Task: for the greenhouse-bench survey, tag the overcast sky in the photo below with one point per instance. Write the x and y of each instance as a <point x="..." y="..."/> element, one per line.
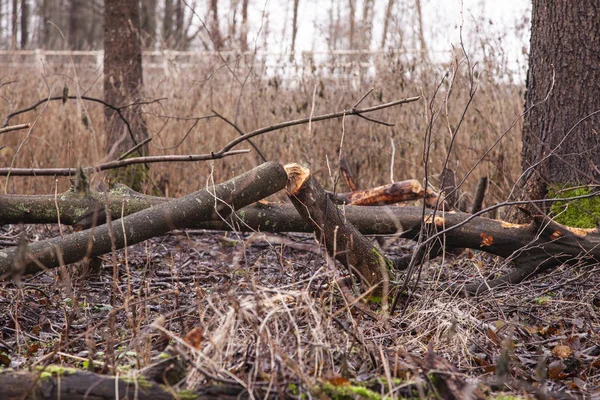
<point x="504" y="24"/>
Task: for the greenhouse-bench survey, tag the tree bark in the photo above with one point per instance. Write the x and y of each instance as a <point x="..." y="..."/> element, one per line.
<point x="561" y="143"/>
<point x="72" y="384"/>
<point x="204" y="205"/>
<point x="123" y="82"/>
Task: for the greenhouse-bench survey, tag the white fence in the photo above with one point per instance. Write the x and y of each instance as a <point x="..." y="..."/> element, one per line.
<point x="361" y="61"/>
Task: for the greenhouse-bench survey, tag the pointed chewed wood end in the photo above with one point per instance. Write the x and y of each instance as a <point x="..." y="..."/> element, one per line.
<point x="297" y="175"/>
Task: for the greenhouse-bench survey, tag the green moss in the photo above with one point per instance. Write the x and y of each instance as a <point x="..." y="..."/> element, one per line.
<point x="138" y="379"/>
<point x="543" y="300"/>
<point x="348" y="392"/>
<point x="582" y="213"/>
<point x="164" y="356"/>
<point x="187" y="395"/>
<point x="55" y="370"/>
<point x="293" y="389"/>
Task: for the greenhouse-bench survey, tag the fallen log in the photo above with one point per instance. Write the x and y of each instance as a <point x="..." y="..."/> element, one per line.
<point x="207" y="204"/>
<point x="342" y="240"/>
<point x="62" y="383"/>
<point x="534" y="247"/>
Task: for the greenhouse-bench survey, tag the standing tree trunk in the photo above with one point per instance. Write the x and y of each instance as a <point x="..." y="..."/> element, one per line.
<point x="294" y="29"/>
<point x="561" y="139"/>
<point x="215" y="31"/>
<point x="123" y="80"/>
<point x="422" y="43"/>
<point x="386" y="22"/>
<point x="24" y="23"/>
<point x="244" y="30"/>
<point x="14" y="24"/>
<point x="168" y="24"/>
<point x="76" y="25"/>
<point x="352" y="22"/>
<point x="179" y="30"/>
<point x="148" y="24"/>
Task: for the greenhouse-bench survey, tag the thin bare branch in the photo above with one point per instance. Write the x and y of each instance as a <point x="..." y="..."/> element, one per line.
<point x="323" y="117"/>
<point x="15" y="128"/>
<point x="118" y="164"/>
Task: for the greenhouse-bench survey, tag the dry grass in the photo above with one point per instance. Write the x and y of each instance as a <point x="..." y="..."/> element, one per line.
<point x="253" y="99"/>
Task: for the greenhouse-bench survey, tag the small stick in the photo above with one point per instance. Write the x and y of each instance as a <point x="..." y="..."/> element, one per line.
<point x="134" y="148"/>
<point x="15" y="128"/>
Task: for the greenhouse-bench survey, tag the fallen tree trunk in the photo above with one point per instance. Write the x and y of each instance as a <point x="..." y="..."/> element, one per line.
<point x="207" y="204"/>
<point x="72" y="384"/>
<point x="342" y="240"/>
<point x="75" y="384"/>
<point x="73" y="208"/>
<point x="534" y="247"/>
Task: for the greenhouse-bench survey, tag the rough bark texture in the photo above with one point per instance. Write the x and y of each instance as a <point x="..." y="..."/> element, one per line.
<point x="71" y="384"/>
<point x="342" y="240"/>
<point x="123" y="81"/>
<point x="204" y="205"/>
<point x="564" y="69"/>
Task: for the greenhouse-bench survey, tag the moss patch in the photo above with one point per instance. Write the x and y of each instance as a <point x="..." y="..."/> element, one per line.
<point x="348" y="392"/>
<point x="582" y="213"/>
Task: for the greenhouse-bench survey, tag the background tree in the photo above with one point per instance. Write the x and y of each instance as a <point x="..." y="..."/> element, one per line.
<point x="561" y="143"/>
<point x="123" y="79"/>
<point x="24" y="23"/>
<point x="148" y="23"/>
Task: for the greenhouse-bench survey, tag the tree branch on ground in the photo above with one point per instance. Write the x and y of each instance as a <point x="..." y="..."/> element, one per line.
<point x="207" y="204"/>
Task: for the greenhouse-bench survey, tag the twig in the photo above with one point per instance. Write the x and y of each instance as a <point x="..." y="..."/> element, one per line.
<point x="15" y="128"/>
<point x="118" y="164"/>
<point x="362" y="98"/>
<point x="323" y="117"/>
<point x="87" y="98"/>
<point x="134" y="148"/>
<point x="242" y="133"/>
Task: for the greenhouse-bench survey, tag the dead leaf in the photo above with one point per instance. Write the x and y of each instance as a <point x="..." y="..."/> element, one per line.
<point x="555" y="370"/>
<point x="338" y="381"/>
<point x="195" y="337"/>
<point x="562" y="351"/>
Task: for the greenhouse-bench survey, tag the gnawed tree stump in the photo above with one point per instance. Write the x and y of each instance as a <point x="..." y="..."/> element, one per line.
<point x="207" y="204"/>
<point x="342" y="240"/>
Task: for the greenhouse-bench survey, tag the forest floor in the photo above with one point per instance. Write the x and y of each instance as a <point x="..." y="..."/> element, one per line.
<point x="264" y="312"/>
